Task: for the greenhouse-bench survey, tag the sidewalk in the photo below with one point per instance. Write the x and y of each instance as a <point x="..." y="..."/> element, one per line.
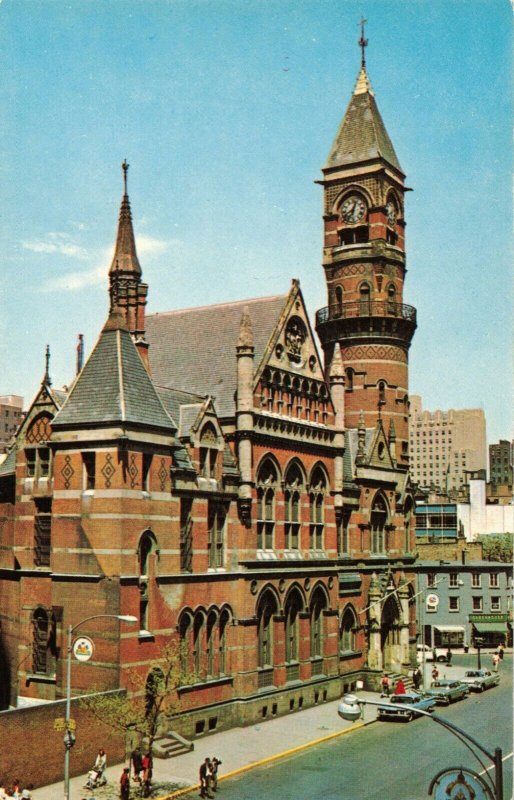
<point x="238" y="749"/>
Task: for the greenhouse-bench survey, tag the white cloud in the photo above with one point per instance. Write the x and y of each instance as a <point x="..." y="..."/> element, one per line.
<point x="75" y="281"/>
<point x="147" y="246"/>
<point x="56" y="243"/>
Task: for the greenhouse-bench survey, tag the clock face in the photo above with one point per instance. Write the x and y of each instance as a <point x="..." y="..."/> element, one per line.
<point x="353" y="209"/>
<point x="391" y="213"/>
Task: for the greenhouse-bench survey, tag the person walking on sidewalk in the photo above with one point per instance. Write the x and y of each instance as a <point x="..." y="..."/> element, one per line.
<point x="205" y="778"/>
<point x="449" y="657"/>
<point x="214" y="773"/>
<point x="416" y="678"/>
<point x="386" y="686"/>
<point x="125" y="784"/>
<point x="496" y="661"/>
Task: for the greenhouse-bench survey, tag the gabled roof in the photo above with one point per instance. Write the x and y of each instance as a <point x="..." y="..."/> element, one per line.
<point x="114" y="386"/>
<point x="184" y="407"/>
<point x="362" y="135"/>
<point x="194" y="349"/>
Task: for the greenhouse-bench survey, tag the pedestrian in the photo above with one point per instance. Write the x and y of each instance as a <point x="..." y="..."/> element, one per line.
<point x="136" y="758"/>
<point x="496" y="661"/>
<point x="501" y="651"/>
<point x="386" y="685"/>
<point x="416" y="678"/>
<point x="125" y="784"/>
<point x="147" y="773"/>
<point x="205" y="777"/>
<point x="215" y="762"/>
<point x="16" y="789"/>
<point x="435" y="673"/>
<point x="400" y="687"/>
<point x="26" y="793"/>
<point x="3" y="791"/>
<point x="449" y="657"/>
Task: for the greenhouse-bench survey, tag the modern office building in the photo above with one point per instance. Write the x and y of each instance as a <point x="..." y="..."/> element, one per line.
<point x="445" y="446"/>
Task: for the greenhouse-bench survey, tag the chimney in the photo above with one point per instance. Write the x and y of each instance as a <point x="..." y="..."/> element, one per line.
<point x="463" y="555"/>
<point x="80" y="352"/>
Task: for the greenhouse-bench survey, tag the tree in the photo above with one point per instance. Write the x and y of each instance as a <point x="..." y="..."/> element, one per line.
<point x="497" y="547"/>
<point x="140" y="711"/>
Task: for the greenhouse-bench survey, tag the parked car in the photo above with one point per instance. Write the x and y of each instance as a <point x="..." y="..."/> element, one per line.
<point x="480" y="679"/>
<point x="430" y="652"/>
<point x="394" y="709"/>
<point x="446" y="691"/>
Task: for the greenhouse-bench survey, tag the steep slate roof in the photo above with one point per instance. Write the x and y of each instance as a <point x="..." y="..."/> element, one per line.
<point x="195" y="349"/>
<point x="183" y="407"/>
<point x="362" y="135"/>
<point x="8" y="465"/>
<point x="114" y="386"/>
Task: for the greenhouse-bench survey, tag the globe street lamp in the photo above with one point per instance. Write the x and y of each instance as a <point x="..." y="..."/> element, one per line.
<point x="69" y="738"/>
<point x="350" y="709"/>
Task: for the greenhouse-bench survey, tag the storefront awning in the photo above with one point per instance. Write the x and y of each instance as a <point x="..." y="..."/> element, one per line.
<point x="449" y="628"/>
<point x="490" y="627"/>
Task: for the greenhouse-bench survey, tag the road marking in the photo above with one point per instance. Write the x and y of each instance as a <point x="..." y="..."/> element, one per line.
<point x="509" y="755"/>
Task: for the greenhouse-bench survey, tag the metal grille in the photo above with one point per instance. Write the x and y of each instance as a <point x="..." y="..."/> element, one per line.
<point x="265" y="678"/>
<point x="43" y="528"/>
<point x="293" y="672"/>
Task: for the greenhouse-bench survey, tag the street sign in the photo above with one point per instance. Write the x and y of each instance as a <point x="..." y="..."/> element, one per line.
<point x="83" y="648"/>
<point x="60" y="724"/>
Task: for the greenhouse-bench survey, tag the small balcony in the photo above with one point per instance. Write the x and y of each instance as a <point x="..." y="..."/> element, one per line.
<point x="360" y="319"/>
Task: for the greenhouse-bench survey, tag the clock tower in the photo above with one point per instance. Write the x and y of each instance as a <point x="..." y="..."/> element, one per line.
<point x="365" y="266"/>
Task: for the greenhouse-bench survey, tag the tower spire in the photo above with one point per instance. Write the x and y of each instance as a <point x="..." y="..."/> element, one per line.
<point x="46" y="377"/>
<point x="125" y="167"/>
<point x="363" y="43"/>
<point x="125" y="258"/>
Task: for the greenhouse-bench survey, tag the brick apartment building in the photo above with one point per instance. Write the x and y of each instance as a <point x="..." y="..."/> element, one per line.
<point x="11" y="413"/>
<point x="209" y="473"/>
<point x="446" y="446"/>
<point x="501" y="460"/>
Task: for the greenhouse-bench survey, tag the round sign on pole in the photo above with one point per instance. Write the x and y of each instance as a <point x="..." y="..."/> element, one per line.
<point x="458" y="783"/>
<point x="83" y="648"/>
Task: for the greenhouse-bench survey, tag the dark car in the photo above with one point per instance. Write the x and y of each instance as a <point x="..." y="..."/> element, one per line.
<point x="447" y="691"/>
<point x="395" y="709"/>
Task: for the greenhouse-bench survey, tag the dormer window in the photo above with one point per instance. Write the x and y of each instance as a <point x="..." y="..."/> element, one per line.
<point x="208" y="452"/>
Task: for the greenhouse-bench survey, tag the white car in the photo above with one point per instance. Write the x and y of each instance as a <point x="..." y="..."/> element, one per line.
<point x="438" y="652"/>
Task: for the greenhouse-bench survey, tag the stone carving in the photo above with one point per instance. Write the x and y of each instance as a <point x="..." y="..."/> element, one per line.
<point x="67" y="472"/>
<point x="295" y="337"/>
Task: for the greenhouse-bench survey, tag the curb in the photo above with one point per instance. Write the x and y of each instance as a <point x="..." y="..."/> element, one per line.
<point x="268" y="760"/>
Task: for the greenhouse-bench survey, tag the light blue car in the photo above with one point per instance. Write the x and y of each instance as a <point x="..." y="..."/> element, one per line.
<point x="394" y="709"/>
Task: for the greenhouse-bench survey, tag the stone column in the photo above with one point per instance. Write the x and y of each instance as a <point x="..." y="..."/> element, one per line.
<point x="375" y="660"/>
<point x="403" y="596"/>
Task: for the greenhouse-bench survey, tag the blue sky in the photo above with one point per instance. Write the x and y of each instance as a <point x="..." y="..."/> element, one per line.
<point x="226" y="110"/>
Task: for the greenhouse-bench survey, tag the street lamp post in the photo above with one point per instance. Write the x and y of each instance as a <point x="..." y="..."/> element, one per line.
<point x="350" y="709"/>
<point x="478" y="644"/>
<point x="68" y="736"/>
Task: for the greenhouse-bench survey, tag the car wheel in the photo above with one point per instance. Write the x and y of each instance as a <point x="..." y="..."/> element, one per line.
<point x="409" y="717"/>
<point x="481" y="688"/>
<point x="441" y="659"/>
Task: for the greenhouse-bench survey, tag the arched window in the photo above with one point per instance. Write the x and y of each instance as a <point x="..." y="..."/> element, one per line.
<point x="38" y="455"/>
<point x="40" y="636"/>
<point x="365" y="299"/>
<point x="265" y="612"/>
<point x="147" y="546"/>
<point x="347" y="633"/>
<point x="292" y="610"/>
<point x="198" y="634"/>
<point x="318" y="604"/>
<point x="267" y="483"/>
<point x="378" y="523"/>
<point x="338" y="310"/>
<point x="222" y="641"/>
<point x="293" y="492"/>
<point x="318" y="490"/>
<point x="186" y="649"/>
<point x="391" y="298"/>
<point x="381" y="393"/>
<point x="208" y="451"/>
<point x="212" y="620"/>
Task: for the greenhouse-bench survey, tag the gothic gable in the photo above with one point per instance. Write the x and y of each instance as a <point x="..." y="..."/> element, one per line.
<point x="379" y="453"/>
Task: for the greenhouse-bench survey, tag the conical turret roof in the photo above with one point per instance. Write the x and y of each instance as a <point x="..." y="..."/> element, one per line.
<point x="125" y="256"/>
<point x="114" y="387"/>
<point x="362" y="135"/>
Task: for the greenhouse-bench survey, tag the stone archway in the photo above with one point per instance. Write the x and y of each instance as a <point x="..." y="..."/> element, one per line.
<point x="390" y="628"/>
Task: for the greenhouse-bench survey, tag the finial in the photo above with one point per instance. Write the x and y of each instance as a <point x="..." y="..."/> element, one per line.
<point x="125" y="167"/>
<point x="363" y="43"/>
<point x="46" y="379"/>
<point x="245" y="329"/>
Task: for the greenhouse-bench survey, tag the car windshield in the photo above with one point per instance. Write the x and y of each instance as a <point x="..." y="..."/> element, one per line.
<point x="403" y="698"/>
<point x="472" y="674"/>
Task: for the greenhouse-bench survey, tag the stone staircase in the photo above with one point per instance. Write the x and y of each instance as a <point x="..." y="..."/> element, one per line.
<point x="407" y="681"/>
<point x="171" y="745"/>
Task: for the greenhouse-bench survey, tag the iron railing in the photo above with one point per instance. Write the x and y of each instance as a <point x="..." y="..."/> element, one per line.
<point x="366" y="308"/>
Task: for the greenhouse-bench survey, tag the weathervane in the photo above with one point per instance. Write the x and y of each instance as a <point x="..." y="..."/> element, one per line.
<point x="363" y="43"/>
<point x="125" y="167"/>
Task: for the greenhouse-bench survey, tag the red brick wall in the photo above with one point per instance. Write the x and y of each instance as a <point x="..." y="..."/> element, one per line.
<point x="21" y="728"/>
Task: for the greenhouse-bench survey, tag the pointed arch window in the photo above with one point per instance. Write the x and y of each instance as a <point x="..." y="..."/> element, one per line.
<point x="147" y="546"/>
<point x="210" y="649"/>
<point x="267" y="609"/>
<point x="347" y="634"/>
<point x="318" y="605"/>
<point x="292" y="611"/>
<point x="338" y="309"/>
<point x="292" y="496"/>
<point x="349" y="372"/>
<point x="198" y="635"/>
<point x="38" y="457"/>
<point x="391" y="299"/>
<point x="318" y="490"/>
<point x="208" y="451"/>
<point x="267" y="484"/>
<point x="222" y="642"/>
<point x="381" y="393"/>
<point x="186" y="643"/>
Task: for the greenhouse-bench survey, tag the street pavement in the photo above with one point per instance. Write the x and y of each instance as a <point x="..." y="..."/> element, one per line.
<point x="241" y="749"/>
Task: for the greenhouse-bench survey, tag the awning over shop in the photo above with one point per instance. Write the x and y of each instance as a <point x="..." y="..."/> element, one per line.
<point x="490" y="627"/>
<point x="449" y="628"/>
